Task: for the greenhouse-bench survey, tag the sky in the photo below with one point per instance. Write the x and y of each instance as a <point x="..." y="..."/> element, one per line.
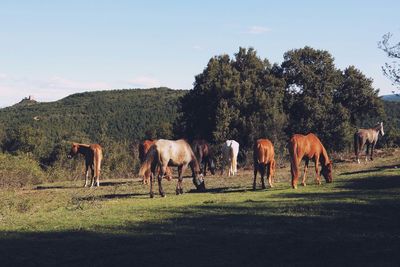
<point x="51" y="49"/>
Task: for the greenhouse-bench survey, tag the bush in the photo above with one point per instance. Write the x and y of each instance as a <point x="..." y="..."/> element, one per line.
<point x="19" y="171"/>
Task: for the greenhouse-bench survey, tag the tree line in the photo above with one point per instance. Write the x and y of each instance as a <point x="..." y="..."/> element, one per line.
<point x="243" y="97"/>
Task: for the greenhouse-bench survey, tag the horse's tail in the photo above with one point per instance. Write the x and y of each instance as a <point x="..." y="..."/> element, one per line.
<point x="151" y="156"/>
<point x="98" y="156"/>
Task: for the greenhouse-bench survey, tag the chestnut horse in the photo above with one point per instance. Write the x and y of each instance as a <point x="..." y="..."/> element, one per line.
<point x="93" y="156"/>
<point x="171" y="153"/>
<point x="308" y="147"/>
<point x="204" y="156"/>
<point x="230" y="151"/>
<point x="143" y="149"/>
<point x="264" y="161"/>
<point x="367" y="137"/>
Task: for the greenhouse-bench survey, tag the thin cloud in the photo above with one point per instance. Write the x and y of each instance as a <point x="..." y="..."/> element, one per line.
<point x="256" y="30"/>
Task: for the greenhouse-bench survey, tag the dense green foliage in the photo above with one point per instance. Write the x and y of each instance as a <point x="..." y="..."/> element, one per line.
<point x="115" y="119"/>
<point x="245" y="98"/>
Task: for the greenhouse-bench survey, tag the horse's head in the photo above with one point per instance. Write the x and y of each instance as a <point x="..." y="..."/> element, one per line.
<point x="198" y="181"/>
<point x="327" y="172"/>
<point x="381" y="128"/>
<point x="212" y="166"/>
<point x="73" y="151"/>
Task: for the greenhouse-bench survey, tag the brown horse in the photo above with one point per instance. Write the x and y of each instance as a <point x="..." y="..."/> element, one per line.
<point x="367" y="137"/>
<point x="93" y="156"/>
<point x="172" y="153"/>
<point x="264" y="161"/>
<point x="308" y="147"/>
<point x="143" y="149"/>
<point x="204" y="156"/>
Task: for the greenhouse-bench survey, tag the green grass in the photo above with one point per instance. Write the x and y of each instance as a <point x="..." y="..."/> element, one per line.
<point x="353" y="221"/>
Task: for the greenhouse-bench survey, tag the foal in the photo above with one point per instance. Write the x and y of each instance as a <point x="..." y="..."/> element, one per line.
<point x="93" y="156"/>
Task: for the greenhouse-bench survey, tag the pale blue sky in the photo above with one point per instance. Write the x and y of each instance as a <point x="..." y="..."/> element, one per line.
<point x="50" y="49"/>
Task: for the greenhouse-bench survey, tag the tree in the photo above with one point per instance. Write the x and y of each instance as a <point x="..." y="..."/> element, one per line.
<point x="311" y="79"/>
<point x="238" y="98"/>
<point x="358" y="96"/>
<point x="391" y="70"/>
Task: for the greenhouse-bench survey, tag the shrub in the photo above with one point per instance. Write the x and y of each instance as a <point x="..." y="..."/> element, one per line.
<point x="19" y="171"/>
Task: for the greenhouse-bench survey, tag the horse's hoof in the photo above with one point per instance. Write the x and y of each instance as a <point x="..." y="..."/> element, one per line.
<point x="181" y="191"/>
<point x="263" y="187"/>
<point x="303" y="184"/>
<point x="151" y="195"/>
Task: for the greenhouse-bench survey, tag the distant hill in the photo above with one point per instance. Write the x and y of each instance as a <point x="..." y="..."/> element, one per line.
<point x="393" y="98"/>
<point x="118" y="114"/>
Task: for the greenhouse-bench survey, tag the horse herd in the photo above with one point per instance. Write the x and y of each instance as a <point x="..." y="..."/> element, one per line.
<point x="157" y="156"/>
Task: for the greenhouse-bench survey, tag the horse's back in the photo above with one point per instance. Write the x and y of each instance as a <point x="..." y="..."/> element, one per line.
<point x="264" y="151"/>
<point x="178" y="151"/>
<point x="305" y="144"/>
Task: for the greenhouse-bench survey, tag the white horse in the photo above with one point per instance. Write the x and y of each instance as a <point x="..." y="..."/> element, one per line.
<point x="230" y="151"/>
<point x="171" y="153"/>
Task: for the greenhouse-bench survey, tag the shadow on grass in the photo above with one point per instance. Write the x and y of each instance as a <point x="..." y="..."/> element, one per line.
<point x="376" y="169"/>
<point x="110" y="196"/>
<point x="39" y="187"/>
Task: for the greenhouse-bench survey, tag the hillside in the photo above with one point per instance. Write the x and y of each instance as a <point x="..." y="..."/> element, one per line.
<point x="117" y="114"/>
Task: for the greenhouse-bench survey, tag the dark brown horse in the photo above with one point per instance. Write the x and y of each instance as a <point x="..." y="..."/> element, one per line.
<point x="264" y="161"/>
<point x="172" y="153"/>
<point x="204" y="156"/>
<point x="367" y="137"/>
<point x="143" y="149"/>
<point x="93" y="156"/>
<point x="308" y="147"/>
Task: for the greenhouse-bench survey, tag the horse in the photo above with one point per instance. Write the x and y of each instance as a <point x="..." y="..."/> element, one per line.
<point x="172" y="153"/>
<point x="263" y="155"/>
<point x="93" y="155"/>
<point x="367" y="137"/>
<point x="204" y="156"/>
<point x="230" y="151"/>
<point x="308" y="147"/>
<point x="143" y="149"/>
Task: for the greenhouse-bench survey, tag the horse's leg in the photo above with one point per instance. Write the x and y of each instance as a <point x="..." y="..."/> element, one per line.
<point x="86" y="175"/>
<point x="372" y="151"/>
<point x="159" y="178"/>
<point x="295" y="173"/>
<point x="151" y="184"/>
<point x="366" y="154"/>
<point x="179" y="189"/>
<point x="92" y="179"/>
<point x="303" y="183"/>
<point x="263" y="168"/>
<point x="317" y="170"/>
<point x="255" y="175"/>
<point x="271" y="171"/>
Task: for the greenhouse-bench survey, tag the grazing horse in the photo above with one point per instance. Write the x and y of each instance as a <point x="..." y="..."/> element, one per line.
<point x="204" y="156"/>
<point x="264" y="161"/>
<point x="172" y="153"/>
<point x="308" y="147"/>
<point x="93" y="156"/>
<point x="143" y="149"/>
<point x="367" y="137"/>
<point x="230" y="151"/>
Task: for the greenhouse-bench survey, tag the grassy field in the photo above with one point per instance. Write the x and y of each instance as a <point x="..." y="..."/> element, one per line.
<point x="353" y="221"/>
